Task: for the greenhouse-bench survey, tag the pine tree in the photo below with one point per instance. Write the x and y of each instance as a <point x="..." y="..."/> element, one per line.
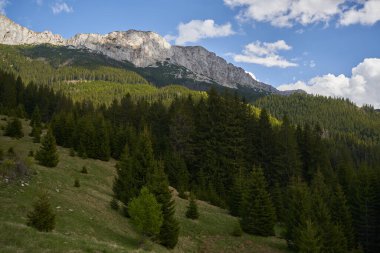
<point x="42" y="217"/>
<point x="258" y="217"/>
<point x="159" y="186"/>
<point x="36" y="133"/>
<point x="192" y="209"/>
<point x="47" y="154"/>
<point x="35" y="120"/>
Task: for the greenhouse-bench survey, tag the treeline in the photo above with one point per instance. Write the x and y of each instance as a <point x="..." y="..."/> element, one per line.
<point x="325" y="192"/>
<point x="337" y="116"/>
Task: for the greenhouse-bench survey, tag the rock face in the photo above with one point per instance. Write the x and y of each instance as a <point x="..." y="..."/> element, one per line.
<point x="14" y="34"/>
<point x="143" y="49"/>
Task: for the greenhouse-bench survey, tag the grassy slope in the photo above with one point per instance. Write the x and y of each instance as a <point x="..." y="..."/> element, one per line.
<point x="85" y="221"/>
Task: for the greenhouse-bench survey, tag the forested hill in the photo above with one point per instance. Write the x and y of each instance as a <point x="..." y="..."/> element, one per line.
<point x="336" y="116"/>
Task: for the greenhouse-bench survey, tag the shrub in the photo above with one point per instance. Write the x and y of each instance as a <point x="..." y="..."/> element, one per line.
<point x="84" y="170"/>
<point x="42" y="216"/>
<point x="237" y="231"/>
<point x="31" y="153"/>
<point x="114" y="204"/>
<point x="76" y="183"/>
<point x="192" y="209"/>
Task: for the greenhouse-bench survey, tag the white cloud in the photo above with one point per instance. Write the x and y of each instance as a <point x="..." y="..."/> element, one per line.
<point x="264" y="53"/>
<point x="312" y="64"/>
<point x="363" y="87"/>
<point x="59" y="7"/>
<point x="369" y="14"/>
<point x="286" y="13"/>
<point x="196" y="30"/>
<point x="3" y="4"/>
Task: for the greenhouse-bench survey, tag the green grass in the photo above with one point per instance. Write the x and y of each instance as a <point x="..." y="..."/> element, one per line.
<point x="85" y="220"/>
<point x="100" y="92"/>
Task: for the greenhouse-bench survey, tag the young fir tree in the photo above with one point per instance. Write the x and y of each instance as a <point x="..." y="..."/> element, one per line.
<point x="159" y="186"/>
<point x="47" y="154"/>
<point x="146" y="213"/>
<point x="308" y="240"/>
<point x="192" y="209"/>
<point x="42" y="216"/>
<point x="36" y="118"/>
<point x="14" y="129"/>
<point x="36" y="133"/>
<point x="258" y="216"/>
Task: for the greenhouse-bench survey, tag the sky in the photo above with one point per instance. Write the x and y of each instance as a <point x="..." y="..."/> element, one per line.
<point x="327" y="47"/>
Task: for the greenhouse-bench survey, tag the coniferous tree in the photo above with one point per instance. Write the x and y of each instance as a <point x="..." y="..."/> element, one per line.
<point x="35" y="119"/>
<point x="42" y="216"/>
<point x="258" y="216"/>
<point x="308" y="240"/>
<point x="159" y="186"/>
<point x="14" y="128"/>
<point x="47" y="154"/>
<point x="192" y="208"/>
<point x="146" y="213"/>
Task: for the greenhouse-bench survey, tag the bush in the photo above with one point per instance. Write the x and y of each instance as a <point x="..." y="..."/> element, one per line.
<point x="11" y="151"/>
<point x="42" y="216"/>
<point x="76" y="183"/>
<point x="114" y="204"/>
<point x="1" y="154"/>
<point x="72" y="152"/>
<point x="31" y="153"/>
<point x="84" y="170"/>
<point x="237" y="231"/>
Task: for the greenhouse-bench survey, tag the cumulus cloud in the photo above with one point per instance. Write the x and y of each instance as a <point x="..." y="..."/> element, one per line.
<point x="369" y="14"/>
<point x="362" y="87"/>
<point x="59" y="7"/>
<point x="3" y="4"/>
<point x="264" y="53"/>
<point x="286" y="13"/>
<point x="196" y="30"/>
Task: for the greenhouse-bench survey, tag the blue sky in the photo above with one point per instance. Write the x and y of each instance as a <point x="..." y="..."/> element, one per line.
<point x="292" y="42"/>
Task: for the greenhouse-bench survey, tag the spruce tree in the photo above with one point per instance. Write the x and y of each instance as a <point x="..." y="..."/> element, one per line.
<point x="159" y="186"/>
<point x="42" y="216"/>
<point x="258" y="217"/>
<point x="47" y="154"/>
<point x="36" y="117"/>
<point x="192" y="209"/>
<point x="308" y="240"/>
<point x="14" y="129"/>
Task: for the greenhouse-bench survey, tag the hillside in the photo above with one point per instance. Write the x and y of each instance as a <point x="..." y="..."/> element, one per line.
<point x="336" y="116"/>
<point x="85" y="221"/>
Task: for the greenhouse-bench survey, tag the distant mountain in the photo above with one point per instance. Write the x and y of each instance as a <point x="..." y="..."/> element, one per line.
<point x="150" y="54"/>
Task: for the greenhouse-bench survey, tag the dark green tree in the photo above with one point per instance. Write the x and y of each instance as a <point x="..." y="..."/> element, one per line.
<point x="159" y="186"/>
<point x="192" y="208"/>
<point x="308" y="240"/>
<point x="42" y="216"/>
<point x="258" y="217"/>
<point x="47" y="154"/>
<point x="14" y="128"/>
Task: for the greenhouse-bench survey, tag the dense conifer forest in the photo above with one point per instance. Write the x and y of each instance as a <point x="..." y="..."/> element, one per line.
<point x="322" y="189"/>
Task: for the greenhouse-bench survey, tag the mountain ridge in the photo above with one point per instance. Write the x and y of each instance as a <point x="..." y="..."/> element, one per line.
<point x="143" y="49"/>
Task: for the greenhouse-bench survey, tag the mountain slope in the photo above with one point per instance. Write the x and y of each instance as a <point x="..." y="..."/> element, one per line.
<point x="143" y="49"/>
<point x="336" y="116"/>
<point x="85" y="220"/>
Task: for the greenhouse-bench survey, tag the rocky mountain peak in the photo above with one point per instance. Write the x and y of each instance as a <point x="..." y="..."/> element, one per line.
<point x="143" y="49"/>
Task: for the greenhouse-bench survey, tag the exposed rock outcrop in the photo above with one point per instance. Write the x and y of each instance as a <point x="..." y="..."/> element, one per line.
<point x="143" y="49"/>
